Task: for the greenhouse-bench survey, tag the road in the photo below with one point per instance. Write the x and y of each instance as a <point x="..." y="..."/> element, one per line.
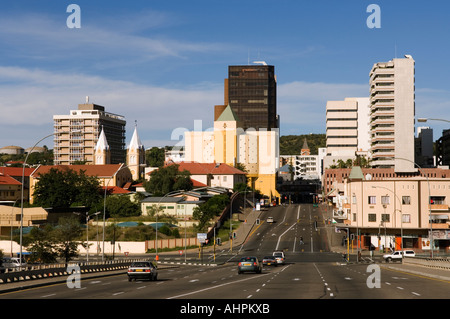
<point x="311" y="272"/>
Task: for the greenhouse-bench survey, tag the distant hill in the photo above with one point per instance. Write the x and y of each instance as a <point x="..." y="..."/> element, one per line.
<point x="292" y="144"/>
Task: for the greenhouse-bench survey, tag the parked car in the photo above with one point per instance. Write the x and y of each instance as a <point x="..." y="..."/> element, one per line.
<point x="269" y="261"/>
<point x="409" y="253"/>
<point x="249" y="264"/>
<point x="142" y="270"/>
<point x="11" y="263"/>
<point x="398" y="255"/>
<point x="279" y="256"/>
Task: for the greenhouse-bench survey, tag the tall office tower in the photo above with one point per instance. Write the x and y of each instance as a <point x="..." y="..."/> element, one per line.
<point x="251" y="91"/>
<point x="77" y="135"/>
<point x="392" y="106"/>
<point x="347" y="128"/>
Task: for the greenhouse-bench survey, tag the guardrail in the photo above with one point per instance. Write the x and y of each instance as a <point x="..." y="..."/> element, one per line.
<point x="436" y="262"/>
<point x="55" y="270"/>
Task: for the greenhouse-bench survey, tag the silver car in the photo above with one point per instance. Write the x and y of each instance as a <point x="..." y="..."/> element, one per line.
<point x="142" y="270"/>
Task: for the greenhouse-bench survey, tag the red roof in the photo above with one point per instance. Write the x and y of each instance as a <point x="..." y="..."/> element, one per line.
<point x="209" y="168"/>
<point x="8" y="180"/>
<point x="90" y="170"/>
<point x="15" y="171"/>
<point x="196" y="183"/>
<point x="116" y="190"/>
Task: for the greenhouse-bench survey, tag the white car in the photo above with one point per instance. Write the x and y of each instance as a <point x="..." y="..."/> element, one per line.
<point x="398" y="255"/>
<point x="279" y="256"/>
<point x="269" y="219"/>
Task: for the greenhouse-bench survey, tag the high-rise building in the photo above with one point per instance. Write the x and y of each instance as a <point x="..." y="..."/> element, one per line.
<point x="251" y="91"/>
<point x="77" y="135"/>
<point x="347" y="124"/>
<point x="392" y="106"/>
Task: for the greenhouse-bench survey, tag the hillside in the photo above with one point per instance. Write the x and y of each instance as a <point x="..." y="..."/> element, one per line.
<point x="292" y="144"/>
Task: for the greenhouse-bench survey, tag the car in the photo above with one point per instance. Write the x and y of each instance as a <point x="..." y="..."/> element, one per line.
<point x="11" y="263"/>
<point x="142" y="270"/>
<point x="269" y="261"/>
<point x="269" y="219"/>
<point x="249" y="264"/>
<point x="398" y="255"/>
<point x="409" y="253"/>
<point x="279" y="256"/>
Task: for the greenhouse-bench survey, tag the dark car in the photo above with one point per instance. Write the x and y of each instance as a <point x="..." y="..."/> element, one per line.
<point x="142" y="270"/>
<point x="249" y="264"/>
<point x="269" y="261"/>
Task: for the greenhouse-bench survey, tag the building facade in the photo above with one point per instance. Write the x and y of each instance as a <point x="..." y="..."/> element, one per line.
<point x="77" y="134"/>
<point x="251" y="91"/>
<point x="392" y="106"/>
<point x="395" y="213"/>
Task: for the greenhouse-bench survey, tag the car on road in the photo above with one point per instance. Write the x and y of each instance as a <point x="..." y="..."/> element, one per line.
<point x="398" y="255"/>
<point x="142" y="270"/>
<point x="279" y="256"/>
<point x="11" y="263"/>
<point x="269" y="261"/>
<point x="249" y="264"/>
<point x="269" y="219"/>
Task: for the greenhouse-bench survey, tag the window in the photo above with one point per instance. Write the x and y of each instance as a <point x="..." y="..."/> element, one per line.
<point x="406" y="218"/>
<point x="372" y="200"/>
<point x="385" y="217"/>
<point x="406" y="200"/>
<point x="385" y="200"/>
<point x="372" y="217"/>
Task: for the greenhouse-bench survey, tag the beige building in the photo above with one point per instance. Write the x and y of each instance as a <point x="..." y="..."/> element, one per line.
<point x="76" y="135"/>
<point x="228" y="143"/>
<point x="385" y="211"/>
<point x="392" y="106"/>
<point x="10" y="218"/>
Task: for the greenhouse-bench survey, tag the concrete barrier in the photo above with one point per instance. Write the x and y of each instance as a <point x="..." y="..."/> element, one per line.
<point x="436" y="262"/>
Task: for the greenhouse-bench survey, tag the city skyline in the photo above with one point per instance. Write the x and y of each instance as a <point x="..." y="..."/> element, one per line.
<point x="164" y="65"/>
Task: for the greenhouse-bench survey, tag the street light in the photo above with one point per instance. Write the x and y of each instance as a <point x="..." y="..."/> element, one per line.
<point x="87" y="232"/>
<point x="423" y="120"/>
<point x="400" y="210"/>
<point x="104" y="203"/>
<point x="429" y="206"/>
<point x="22" y="190"/>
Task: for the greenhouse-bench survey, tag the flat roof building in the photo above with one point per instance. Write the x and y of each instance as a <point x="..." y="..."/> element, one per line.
<point x="77" y="135"/>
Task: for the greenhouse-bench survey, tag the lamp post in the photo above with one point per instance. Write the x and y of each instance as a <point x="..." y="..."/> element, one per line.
<point x="104" y="204"/>
<point x="400" y="210"/>
<point x="423" y="120"/>
<point x="429" y="206"/>
<point x="22" y="190"/>
<point x="87" y="232"/>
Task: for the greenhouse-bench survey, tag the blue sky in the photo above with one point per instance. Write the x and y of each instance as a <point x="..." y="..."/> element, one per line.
<point x="163" y="63"/>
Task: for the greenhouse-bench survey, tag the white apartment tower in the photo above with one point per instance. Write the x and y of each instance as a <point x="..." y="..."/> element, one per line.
<point x="347" y="129"/>
<point x="77" y="134"/>
<point x="392" y="107"/>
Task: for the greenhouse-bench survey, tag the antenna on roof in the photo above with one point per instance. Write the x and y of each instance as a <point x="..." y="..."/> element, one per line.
<point x="87" y="99"/>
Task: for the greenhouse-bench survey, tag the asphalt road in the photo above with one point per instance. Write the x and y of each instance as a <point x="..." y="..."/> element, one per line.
<point x="311" y="272"/>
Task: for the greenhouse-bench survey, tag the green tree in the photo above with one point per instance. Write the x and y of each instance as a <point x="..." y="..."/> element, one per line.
<point x="65" y="188"/>
<point x="40" y="242"/>
<point x="155" y="157"/>
<point x="66" y="235"/>
<point x="122" y="206"/>
<point x="206" y="211"/>
<point x="167" y="179"/>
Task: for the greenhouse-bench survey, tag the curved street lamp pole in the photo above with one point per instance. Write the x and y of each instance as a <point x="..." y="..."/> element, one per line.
<point x="428" y="203"/>
<point x="22" y="190"/>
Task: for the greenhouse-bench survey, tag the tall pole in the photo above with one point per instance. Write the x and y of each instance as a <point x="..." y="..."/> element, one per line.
<point x="22" y="189"/>
<point x="429" y="203"/>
